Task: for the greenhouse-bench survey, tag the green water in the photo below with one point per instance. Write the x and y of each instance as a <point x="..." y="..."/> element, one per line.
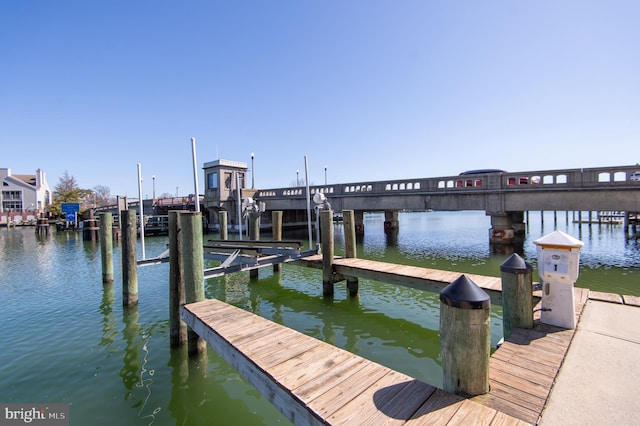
<point x="67" y="339"/>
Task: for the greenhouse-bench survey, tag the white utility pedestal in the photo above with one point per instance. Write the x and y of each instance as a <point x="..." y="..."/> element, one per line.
<point x="558" y="268"/>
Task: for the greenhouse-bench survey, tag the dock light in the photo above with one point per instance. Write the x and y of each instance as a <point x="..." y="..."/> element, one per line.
<point x="253" y="173"/>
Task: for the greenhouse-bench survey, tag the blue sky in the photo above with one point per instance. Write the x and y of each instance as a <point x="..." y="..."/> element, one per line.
<point x="371" y="89"/>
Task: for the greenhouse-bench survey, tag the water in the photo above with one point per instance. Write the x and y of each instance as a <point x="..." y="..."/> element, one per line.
<point x="68" y="339"/>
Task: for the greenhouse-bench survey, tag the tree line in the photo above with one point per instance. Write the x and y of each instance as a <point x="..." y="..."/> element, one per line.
<point x="68" y="191"/>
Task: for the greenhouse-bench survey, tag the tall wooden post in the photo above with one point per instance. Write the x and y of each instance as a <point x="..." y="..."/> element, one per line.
<point x="129" y="261"/>
<point x="465" y="337"/>
<point x="348" y="218"/>
<point x="89" y="231"/>
<point x="177" y="327"/>
<point x="224" y="231"/>
<point x="359" y="219"/>
<point x="254" y="234"/>
<point x="326" y="232"/>
<point x="106" y="247"/>
<point x="193" y="261"/>
<point x="43" y="225"/>
<point x="276" y="232"/>
<point x="254" y="225"/>
<point x="517" y="296"/>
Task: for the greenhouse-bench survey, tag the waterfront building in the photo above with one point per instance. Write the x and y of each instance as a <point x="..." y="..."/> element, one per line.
<point x="23" y="194"/>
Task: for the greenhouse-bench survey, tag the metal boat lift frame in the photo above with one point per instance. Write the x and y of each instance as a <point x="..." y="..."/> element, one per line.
<point x="238" y="256"/>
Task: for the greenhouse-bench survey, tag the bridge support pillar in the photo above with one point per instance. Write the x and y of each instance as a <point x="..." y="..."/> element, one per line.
<point x="358" y="216"/>
<point x="391" y="223"/>
<point x="517" y="223"/>
<point x="501" y="231"/>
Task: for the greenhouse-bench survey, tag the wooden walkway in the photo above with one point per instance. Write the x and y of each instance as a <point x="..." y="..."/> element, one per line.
<point x="523" y="370"/>
<point x="313" y="382"/>
<point x="432" y="280"/>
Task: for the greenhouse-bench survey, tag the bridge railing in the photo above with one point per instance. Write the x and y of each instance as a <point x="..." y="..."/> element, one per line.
<point x="601" y="177"/>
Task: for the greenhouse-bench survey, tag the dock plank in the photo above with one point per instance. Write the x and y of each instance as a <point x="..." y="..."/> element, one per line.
<point x="471" y="414"/>
<point x="439" y="409"/>
<point x="371" y="400"/>
<point x="403" y="404"/>
<point x="340" y="395"/>
<point x="329" y="378"/>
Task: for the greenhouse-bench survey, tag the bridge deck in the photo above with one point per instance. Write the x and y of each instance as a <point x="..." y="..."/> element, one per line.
<point x="313" y="382"/>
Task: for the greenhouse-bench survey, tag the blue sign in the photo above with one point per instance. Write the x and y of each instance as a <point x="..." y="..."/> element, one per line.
<point x="70" y="210"/>
<point x="70" y="207"/>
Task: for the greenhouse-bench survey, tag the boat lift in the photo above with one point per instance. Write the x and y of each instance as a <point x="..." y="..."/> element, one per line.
<point x="237" y="256"/>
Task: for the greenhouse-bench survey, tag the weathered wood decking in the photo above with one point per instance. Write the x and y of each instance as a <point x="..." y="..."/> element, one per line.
<point x="313" y="382"/>
<point x="432" y="280"/>
<point x="523" y="370"/>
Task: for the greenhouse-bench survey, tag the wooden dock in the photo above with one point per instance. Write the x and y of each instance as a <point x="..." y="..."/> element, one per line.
<point x="432" y="280"/>
<point x="313" y="382"/>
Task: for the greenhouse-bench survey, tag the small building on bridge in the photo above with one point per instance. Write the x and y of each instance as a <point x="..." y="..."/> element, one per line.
<point x="225" y="188"/>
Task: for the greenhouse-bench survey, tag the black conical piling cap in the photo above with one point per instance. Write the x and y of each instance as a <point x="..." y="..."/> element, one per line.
<point x="465" y="294"/>
<point x="516" y="265"/>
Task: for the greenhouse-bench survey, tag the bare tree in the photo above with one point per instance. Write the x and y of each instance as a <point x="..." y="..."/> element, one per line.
<point x="103" y="195"/>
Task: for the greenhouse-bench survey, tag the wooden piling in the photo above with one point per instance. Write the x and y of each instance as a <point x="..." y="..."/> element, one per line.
<point x="43" y="225"/>
<point x="193" y="263"/>
<point x="90" y="228"/>
<point x="224" y="231"/>
<point x="517" y="296"/>
<point x="254" y="234"/>
<point x="465" y="337"/>
<point x="106" y="247"/>
<point x="177" y="327"/>
<point x="359" y="221"/>
<point x="348" y="218"/>
<point x="254" y="225"/>
<point x="276" y="232"/>
<point x="129" y="263"/>
<point x="326" y="232"/>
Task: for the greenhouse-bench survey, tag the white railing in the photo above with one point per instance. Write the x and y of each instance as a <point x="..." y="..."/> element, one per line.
<point x="603" y="177"/>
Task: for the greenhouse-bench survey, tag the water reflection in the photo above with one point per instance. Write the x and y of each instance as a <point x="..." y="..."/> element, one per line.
<point x="136" y="374"/>
<point x="130" y="334"/>
<point x="180" y="396"/>
<point x="344" y="323"/>
<point x="109" y="320"/>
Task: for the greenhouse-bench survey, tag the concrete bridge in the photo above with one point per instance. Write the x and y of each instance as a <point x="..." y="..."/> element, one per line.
<point x="504" y="196"/>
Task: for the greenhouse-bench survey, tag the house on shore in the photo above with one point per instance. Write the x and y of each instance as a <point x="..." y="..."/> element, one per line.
<point x="23" y="196"/>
